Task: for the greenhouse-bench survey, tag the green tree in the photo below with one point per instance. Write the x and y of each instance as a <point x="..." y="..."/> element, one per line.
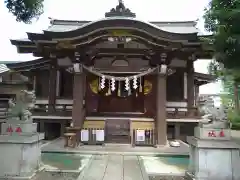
<point x="25" y="10"/>
<point x="222" y="18"/>
<point x="231" y="92"/>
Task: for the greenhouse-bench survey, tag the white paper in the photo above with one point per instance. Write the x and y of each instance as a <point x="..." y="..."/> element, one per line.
<point x="100" y="135"/>
<point x="140" y="135"/>
<point x="84" y="135"/>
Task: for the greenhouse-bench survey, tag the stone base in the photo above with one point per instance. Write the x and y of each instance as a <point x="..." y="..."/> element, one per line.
<point x="162" y="145"/>
<point x="203" y="133"/>
<point x="213" y="160"/>
<point x="20" y="156"/>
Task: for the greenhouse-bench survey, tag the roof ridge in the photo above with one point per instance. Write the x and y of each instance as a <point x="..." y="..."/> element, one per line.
<point x="74" y="22"/>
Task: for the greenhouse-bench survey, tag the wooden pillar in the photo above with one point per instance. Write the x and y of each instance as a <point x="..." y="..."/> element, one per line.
<point x="177" y="131"/>
<point x="62" y="128"/>
<point x="196" y="95"/>
<point x="41" y="126"/>
<point x="185" y="86"/>
<point x="58" y="83"/>
<point x="78" y="97"/>
<point x="160" y="122"/>
<point x="34" y="82"/>
<point x="52" y="89"/>
<point x="190" y="84"/>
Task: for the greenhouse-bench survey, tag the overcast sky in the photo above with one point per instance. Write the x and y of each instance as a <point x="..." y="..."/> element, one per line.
<point x="150" y="10"/>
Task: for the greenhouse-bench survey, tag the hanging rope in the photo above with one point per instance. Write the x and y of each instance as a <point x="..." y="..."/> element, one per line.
<point x="109" y="77"/>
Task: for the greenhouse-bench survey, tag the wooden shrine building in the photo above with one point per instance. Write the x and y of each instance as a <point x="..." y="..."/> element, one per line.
<point x="116" y="73"/>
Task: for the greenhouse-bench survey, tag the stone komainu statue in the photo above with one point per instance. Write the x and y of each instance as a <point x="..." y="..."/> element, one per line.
<point x="20" y="109"/>
<point x="213" y="117"/>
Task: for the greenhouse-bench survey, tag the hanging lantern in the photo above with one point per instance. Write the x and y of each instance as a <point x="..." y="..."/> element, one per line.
<point x="127" y="84"/>
<point x="102" y="85"/>
<point x="135" y="86"/>
<point x="113" y="87"/>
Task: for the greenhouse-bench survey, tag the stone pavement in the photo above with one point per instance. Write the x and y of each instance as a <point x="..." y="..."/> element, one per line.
<point x="235" y="136"/>
<point x="117" y="167"/>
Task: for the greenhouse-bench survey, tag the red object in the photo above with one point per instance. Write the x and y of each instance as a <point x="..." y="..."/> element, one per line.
<point x="212" y="134"/>
<point x="221" y="134"/>
<point x="9" y="129"/>
<point x="18" y="130"/>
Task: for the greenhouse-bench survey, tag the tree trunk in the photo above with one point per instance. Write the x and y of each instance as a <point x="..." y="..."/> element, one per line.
<point x="236" y="98"/>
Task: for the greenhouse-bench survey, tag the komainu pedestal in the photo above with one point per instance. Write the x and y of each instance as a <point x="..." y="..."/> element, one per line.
<point x="20" y="151"/>
<point x="213" y="156"/>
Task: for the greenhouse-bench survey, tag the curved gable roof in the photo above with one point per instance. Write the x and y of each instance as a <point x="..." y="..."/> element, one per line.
<point x="118" y="23"/>
<point x="180" y="27"/>
<point x="77" y="33"/>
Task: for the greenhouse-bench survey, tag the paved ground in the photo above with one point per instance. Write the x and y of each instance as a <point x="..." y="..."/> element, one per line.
<point x="120" y="149"/>
<point x="236" y="136"/>
<point x="103" y="167"/>
<point x="118" y="162"/>
<point x="55" y="176"/>
<point x="117" y="167"/>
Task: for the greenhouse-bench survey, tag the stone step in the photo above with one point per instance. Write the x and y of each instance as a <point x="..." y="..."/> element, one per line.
<point x="116" y="145"/>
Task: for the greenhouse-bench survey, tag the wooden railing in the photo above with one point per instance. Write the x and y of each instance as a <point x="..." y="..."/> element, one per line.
<point x="3" y="108"/>
<point x="42" y="105"/>
<point x="183" y="112"/>
<point x="60" y="110"/>
<point x="63" y="107"/>
<point x="58" y="107"/>
<point x="66" y="106"/>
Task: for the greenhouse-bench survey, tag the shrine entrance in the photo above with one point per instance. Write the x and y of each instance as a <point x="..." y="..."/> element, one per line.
<point x="117" y="131"/>
<point x="116" y="104"/>
<point x="123" y="99"/>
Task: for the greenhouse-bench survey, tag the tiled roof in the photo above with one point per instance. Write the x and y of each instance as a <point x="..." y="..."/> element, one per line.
<point x="8" y="62"/>
<point x="173" y="27"/>
<point x="3" y="68"/>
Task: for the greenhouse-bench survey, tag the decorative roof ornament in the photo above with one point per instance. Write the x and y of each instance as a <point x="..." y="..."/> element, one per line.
<point x="120" y="10"/>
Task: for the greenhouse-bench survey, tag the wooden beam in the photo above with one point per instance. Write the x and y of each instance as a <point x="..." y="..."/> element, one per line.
<point x="32" y="68"/>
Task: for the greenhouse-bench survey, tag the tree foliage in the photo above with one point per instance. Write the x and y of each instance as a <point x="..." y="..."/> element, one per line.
<point x="222" y="18"/>
<point x="25" y="10"/>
